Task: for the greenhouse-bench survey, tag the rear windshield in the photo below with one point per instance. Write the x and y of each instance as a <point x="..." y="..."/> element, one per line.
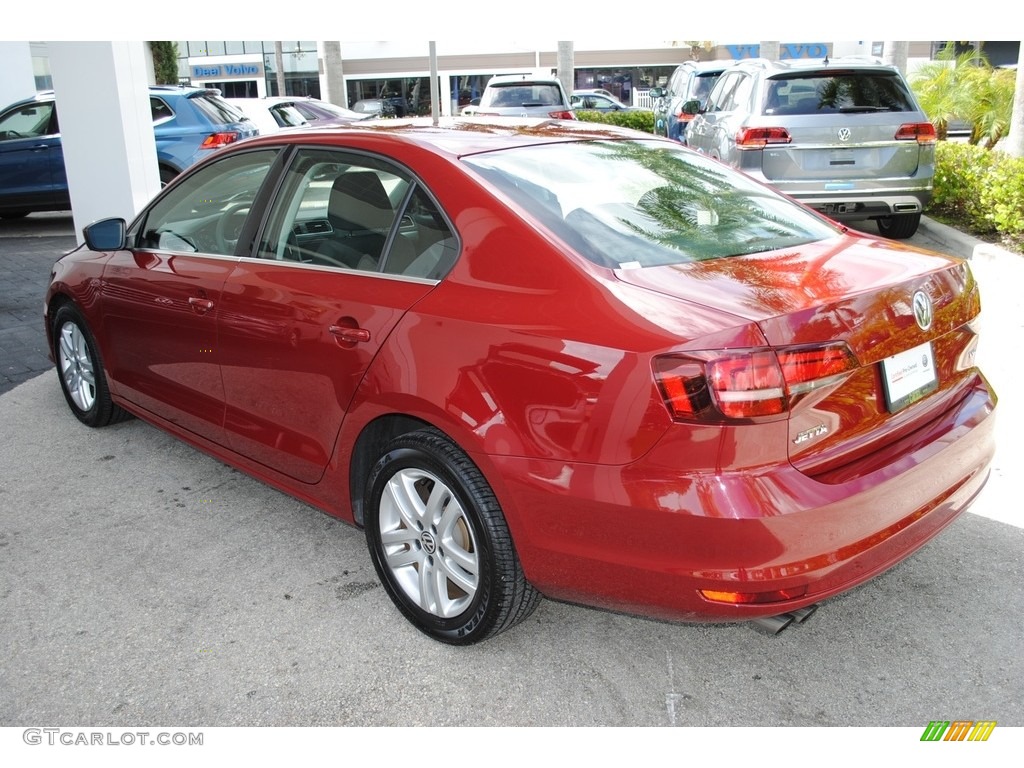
<point x="521" y="94"/>
<point x="631" y="204"/>
<point x="215" y="108"/>
<point x="811" y="93"/>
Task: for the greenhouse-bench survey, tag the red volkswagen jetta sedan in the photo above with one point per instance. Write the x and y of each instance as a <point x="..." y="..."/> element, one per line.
<point x="539" y="358"/>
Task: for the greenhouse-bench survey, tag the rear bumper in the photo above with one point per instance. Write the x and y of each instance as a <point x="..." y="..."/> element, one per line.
<point x="639" y="539"/>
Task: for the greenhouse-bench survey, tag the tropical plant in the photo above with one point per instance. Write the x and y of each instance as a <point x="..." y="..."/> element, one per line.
<point x="165" y="62"/>
<point x="965" y="87"/>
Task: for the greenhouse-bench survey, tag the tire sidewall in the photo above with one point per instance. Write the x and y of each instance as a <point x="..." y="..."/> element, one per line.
<point x="477" y="620"/>
<point x="95" y="414"/>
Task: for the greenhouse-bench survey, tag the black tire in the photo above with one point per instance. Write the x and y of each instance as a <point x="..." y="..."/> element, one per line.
<point x="80" y="370"/>
<point x="899" y="227"/>
<point x="437" y="514"/>
<point x="14" y="214"/>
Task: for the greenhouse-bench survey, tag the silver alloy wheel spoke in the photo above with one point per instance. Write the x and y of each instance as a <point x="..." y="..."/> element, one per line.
<point x="76" y="366"/>
<point x="428" y="543"/>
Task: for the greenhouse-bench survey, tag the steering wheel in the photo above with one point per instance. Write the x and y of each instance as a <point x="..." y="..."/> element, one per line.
<point x="229" y="227"/>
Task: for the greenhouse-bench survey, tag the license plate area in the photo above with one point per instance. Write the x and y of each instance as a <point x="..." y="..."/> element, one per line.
<point x="909" y="376"/>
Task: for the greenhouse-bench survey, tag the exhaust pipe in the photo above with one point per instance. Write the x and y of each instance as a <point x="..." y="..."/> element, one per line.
<point x="773" y="625"/>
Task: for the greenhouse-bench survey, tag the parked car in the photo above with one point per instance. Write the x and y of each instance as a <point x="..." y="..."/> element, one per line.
<point x="270" y="115"/>
<point x="391" y="106"/>
<point x="525" y="96"/>
<point x="691" y="81"/>
<point x="846" y="137"/>
<point x="542" y="358"/>
<point x="187" y="122"/>
<point x="599" y="100"/>
<point x="317" y="112"/>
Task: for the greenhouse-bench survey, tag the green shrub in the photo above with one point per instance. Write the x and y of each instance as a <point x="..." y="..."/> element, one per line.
<point x="640" y="120"/>
<point x="960" y="174"/>
<point x="981" y="190"/>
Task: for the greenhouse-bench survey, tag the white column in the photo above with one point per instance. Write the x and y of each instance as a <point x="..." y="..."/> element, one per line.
<point x="18" y="81"/>
<point x="106" y="128"/>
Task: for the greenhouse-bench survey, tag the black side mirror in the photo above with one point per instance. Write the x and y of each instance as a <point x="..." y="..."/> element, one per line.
<point x="657" y="93"/>
<point x="692" y="107"/>
<point x="106" y="235"/>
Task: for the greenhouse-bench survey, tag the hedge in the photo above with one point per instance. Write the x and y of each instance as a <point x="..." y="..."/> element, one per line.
<point x="640" y="120"/>
<point x="980" y="189"/>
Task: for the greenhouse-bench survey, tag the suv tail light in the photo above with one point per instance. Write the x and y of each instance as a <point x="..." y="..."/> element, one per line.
<point x="564" y="114"/>
<point x="758" y="138"/>
<point x="218" y="140"/>
<point x="923" y="133"/>
<point x="748" y="383"/>
<point x="685" y="117"/>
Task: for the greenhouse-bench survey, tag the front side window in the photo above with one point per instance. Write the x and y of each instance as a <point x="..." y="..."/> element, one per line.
<point x="205" y="212"/>
<point x="630" y="204"/>
<point x="27" y="122"/>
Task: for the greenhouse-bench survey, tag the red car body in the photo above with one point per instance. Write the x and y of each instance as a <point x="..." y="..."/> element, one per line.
<point x="553" y="375"/>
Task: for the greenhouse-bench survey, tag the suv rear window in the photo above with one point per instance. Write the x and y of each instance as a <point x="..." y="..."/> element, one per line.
<point x="215" y="108"/>
<point x="829" y="92"/>
<point x="522" y="94"/>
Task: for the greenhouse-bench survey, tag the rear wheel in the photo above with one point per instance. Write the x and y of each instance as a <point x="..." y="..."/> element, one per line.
<point x="899" y="227"/>
<point x="167" y="175"/>
<point x="80" y="369"/>
<point x="440" y="544"/>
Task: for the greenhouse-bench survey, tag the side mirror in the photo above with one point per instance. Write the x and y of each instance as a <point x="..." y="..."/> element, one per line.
<point x="657" y="93"/>
<point x="692" y="107"/>
<point x="106" y="235"/>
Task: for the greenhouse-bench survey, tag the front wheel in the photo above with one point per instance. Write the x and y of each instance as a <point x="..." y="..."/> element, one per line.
<point x="81" y="370"/>
<point x="899" y="227"/>
<point x="440" y="543"/>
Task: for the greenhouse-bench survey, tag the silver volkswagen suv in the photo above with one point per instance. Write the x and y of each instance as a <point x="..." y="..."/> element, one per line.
<point x="845" y="137"/>
<point x="525" y="96"/>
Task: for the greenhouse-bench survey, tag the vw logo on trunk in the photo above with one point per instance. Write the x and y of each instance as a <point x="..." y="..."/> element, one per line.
<point x="922" y="310"/>
<point x="844" y="134"/>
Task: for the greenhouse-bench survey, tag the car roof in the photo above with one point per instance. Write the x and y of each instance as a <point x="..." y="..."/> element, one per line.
<point x="460" y="136"/>
<point x="507" y="79"/>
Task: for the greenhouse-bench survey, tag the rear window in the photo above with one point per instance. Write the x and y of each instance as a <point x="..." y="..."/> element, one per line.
<point x="522" y="94"/>
<point x="832" y="92"/>
<point x="631" y="204"/>
<point x="216" y="109"/>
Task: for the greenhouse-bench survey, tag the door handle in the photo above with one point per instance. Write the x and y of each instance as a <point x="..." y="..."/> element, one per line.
<point x="202" y="306"/>
<point x="349" y="335"/>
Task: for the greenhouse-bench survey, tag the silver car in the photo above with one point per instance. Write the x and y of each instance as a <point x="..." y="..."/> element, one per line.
<point x="845" y="137"/>
<point x="525" y="96"/>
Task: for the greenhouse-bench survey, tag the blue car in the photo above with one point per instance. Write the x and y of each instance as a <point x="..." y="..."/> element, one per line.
<point x="691" y="81"/>
<point x="187" y="124"/>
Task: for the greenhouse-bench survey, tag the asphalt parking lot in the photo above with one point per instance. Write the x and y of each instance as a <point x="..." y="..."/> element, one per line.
<point x="144" y="583"/>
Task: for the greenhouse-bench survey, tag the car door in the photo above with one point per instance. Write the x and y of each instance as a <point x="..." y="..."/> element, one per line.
<point x="706" y="132"/>
<point x="161" y="297"/>
<point x="304" y="317"/>
<point x="32" y="175"/>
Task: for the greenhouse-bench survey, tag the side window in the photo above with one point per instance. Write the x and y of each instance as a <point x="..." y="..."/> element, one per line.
<point x="160" y="110"/>
<point x="205" y="212"/>
<point x="335" y="209"/>
<point x="424" y="246"/>
<point x="338" y="209"/>
<point x="740" y="96"/>
<point x="722" y="92"/>
<point x="27" y="122"/>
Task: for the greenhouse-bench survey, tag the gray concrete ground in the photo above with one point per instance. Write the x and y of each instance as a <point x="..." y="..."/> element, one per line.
<point x="144" y="583"/>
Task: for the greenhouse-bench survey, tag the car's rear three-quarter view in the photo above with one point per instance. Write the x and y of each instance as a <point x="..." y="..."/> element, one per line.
<point x="539" y="358"/>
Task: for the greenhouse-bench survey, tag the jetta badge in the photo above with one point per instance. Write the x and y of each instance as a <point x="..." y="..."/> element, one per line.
<point x="922" y="310"/>
<point x="844" y="134"/>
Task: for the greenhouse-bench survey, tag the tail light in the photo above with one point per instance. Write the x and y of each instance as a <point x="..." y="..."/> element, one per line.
<point x="685" y="117"/>
<point x="218" y="140"/>
<point x="564" y="114"/>
<point x="758" y="138"/>
<point x="923" y="133"/>
<point x="749" y="383"/>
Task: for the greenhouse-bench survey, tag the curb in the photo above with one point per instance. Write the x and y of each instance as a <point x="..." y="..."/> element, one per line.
<point x="964" y="243"/>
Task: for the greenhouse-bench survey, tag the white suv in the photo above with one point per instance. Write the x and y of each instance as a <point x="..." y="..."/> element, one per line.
<point x="525" y="96"/>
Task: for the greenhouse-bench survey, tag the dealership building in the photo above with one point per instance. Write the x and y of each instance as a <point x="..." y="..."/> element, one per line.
<point x="348" y="72"/>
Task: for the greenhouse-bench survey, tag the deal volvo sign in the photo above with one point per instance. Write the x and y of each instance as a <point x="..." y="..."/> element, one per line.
<point x="249" y="70"/>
